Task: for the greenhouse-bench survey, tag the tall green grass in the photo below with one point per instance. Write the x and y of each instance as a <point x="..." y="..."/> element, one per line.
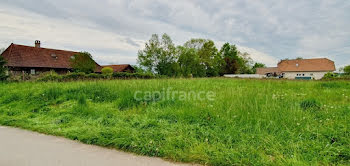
<point x="250" y="122"/>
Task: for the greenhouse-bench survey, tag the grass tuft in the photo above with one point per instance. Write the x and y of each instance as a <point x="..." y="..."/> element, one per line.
<point x="310" y="104"/>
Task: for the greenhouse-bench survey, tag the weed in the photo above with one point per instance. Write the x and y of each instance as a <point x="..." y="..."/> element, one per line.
<point x="310" y="104"/>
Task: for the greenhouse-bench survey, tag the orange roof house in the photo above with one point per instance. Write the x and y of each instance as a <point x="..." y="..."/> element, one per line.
<point x="35" y="60"/>
<point x="301" y="68"/>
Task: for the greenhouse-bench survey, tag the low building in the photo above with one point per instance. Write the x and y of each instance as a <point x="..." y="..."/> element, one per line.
<point x="300" y="68"/>
<point x="121" y="68"/>
<point x="23" y="59"/>
<point x="268" y="71"/>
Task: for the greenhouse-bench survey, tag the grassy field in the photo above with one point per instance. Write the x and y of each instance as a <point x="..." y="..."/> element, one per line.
<point x="249" y="122"/>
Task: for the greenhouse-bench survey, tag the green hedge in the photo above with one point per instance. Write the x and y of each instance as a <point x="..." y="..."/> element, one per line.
<point x="92" y="76"/>
<point x="334" y="76"/>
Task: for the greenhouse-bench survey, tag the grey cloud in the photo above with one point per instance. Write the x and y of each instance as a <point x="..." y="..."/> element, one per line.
<point x="282" y="29"/>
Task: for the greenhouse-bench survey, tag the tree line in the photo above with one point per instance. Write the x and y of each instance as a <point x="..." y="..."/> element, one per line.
<point x="195" y="58"/>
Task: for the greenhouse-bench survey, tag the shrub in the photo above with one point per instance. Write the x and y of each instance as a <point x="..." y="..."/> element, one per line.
<point x="94" y="76"/>
<point x="144" y="75"/>
<point x="121" y="75"/>
<point x="3" y="75"/>
<point x="310" y="104"/>
<point x="75" y="76"/>
<point x="52" y="76"/>
<point x="107" y="70"/>
<point x="334" y="76"/>
<point x="329" y="75"/>
<point x="49" y="76"/>
<point x="347" y="70"/>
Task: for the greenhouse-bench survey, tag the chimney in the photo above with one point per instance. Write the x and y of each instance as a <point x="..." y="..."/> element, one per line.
<point x="37" y="43"/>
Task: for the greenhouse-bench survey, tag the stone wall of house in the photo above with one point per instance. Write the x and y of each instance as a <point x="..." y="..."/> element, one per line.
<point x="34" y="71"/>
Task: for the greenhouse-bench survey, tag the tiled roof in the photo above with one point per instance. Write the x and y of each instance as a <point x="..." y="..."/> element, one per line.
<point x="306" y="65"/>
<point x="119" y="68"/>
<point x="26" y="56"/>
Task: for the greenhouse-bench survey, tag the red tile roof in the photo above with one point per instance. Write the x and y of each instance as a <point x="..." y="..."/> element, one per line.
<point x="306" y="65"/>
<point x="119" y="68"/>
<point x="300" y="65"/>
<point x="26" y="56"/>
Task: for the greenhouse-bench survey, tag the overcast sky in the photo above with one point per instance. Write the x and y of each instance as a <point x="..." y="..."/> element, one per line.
<point x="114" y="30"/>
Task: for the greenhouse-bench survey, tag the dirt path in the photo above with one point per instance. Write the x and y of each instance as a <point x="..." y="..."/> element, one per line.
<point x="25" y="148"/>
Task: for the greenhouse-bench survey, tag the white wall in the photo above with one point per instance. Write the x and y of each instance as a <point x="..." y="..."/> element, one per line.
<point x="244" y="76"/>
<point x="314" y="75"/>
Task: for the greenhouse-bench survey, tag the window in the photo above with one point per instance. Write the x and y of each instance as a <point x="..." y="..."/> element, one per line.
<point x="311" y="74"/>
<point x="303" y="74"/>
<point x="54" y="56"/>
<point x="32" y="71"/>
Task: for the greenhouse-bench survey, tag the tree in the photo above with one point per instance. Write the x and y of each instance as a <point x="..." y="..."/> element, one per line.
<point x="107" y="70"/>
<point x="245" y="63"/>
<point x="167" y="60"/>
<point x="347" y="70"/>
<point x="3" y="75"/>
<point x="83" y="62"/>
<point x="159" y="56"/>
<point x="189" y="62"/>
<point x="257" y="65"/>
<point x="207" y="54"/>
<point x="139" y="69"/>
<point x="230" y="55"/>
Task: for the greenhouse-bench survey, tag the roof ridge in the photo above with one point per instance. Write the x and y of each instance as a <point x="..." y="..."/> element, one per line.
<point x="44" y="48"/>
<point x="305" y="59"/>
<point x="11" y="48"/>
<point x="116" y="65"/>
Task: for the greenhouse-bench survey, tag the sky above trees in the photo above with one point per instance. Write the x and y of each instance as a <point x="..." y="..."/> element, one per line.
<point x="114" y="30"/>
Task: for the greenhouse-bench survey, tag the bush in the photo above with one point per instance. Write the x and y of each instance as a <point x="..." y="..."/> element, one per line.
<point x="335" y="76"/>
<point x="144" y="75"/>
<point x="133" y="75"/>
<point x="52" y="76"/>
<point x="329" y="75"/>
<point x="49" y="76"/>
<point x="74" y="76"/>
<point x="347" y="70"/>
<point x="3" y="75"/>
<point x="122" y="75"/>
<point x="310" y="104"/>
<point x="94" y="76"/>
<point x="107" y="70"/>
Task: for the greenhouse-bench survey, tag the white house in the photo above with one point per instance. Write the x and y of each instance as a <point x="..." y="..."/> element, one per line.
<point x="301" y="68"/>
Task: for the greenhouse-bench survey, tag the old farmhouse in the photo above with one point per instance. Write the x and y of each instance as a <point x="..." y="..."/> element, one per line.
<point x="35" y="60"/>
<point x="300" y="69"/>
